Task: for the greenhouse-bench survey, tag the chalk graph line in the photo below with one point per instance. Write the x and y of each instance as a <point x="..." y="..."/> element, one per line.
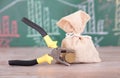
<point x="70" y="4"/>
<point x="10" y="5"/>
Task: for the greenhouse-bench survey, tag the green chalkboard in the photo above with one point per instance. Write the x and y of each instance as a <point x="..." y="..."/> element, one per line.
<point x="104" y="26"/>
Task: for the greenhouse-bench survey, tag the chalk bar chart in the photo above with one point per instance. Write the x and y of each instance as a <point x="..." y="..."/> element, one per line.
<point x="103" y="26"/>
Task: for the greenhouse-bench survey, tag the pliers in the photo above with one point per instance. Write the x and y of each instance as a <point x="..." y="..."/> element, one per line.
<point x="56" y="53"/>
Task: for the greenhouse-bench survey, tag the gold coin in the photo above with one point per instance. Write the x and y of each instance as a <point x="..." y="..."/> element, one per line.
<point x="70" y="57"/>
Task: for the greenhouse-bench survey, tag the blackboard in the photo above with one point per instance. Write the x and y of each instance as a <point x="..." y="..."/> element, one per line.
<point x="104" y="26"/>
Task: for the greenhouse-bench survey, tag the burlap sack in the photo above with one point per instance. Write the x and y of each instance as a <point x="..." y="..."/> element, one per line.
<point x="83" y="46"/>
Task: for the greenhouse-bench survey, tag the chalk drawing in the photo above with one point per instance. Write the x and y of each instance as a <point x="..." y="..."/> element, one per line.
<point x="55" y="28"/>
<point x="8" y="30"/>
<point x="67" y="3"/>
<point x="39" y="13"/>
<point x="39" y="41"/>
<point x="117" y="21"/>
<point x="0" y="28"/>
<point x="4" y="42"/>
<point x="119" y="41"/>
<point x="10" y="5"/>
<point x="91" y="23"/>
<point x="117" y="18"/>
<point x="46" y="18"/>
<point x="97" y="40"/>
<point x="100" y="27"/>
<point x="41" y="16"/>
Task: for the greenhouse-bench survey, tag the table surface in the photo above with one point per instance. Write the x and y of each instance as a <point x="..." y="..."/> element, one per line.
<point x="108" y="68"/>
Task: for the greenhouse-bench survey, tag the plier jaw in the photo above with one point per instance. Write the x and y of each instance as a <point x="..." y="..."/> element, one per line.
<point x="57" y="54"/>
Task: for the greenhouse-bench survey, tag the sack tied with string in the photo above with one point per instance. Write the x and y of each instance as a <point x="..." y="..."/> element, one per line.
<point x="84" y="49"/>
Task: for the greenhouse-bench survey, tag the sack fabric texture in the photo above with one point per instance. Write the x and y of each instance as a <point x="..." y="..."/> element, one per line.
<point x="74" y="25"/>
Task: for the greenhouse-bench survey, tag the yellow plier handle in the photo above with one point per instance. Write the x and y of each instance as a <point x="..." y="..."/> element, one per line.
<point x="44" y="59"/>
<point x="50" y="43"/>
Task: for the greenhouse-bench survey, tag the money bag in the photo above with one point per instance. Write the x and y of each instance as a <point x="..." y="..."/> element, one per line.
<point x="84" y="49"/>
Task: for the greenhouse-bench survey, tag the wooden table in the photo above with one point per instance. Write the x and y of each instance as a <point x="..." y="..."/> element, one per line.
<point x="108" y="68"/>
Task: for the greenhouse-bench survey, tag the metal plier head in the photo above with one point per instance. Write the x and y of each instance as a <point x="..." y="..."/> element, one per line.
<point x="56" y="54"/>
